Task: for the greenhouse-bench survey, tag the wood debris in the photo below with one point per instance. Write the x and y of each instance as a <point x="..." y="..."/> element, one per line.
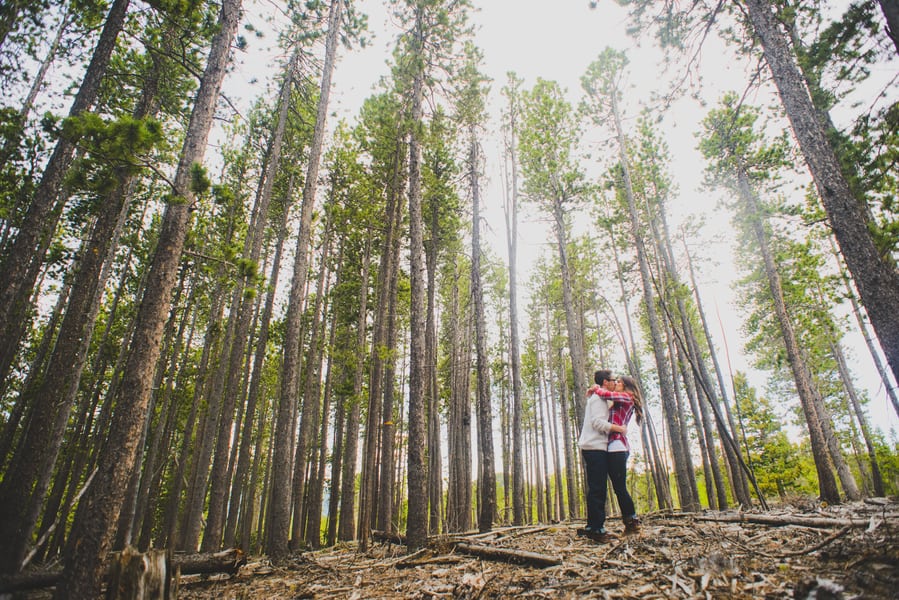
<point x="675" y="555"/>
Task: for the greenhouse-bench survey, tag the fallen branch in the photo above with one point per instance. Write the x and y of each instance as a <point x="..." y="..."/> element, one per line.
<point x="820" y="544"/>
<point x="783" y="520"/>
<point x="226" y="561"/>
<point x="509" y="555"/>
<point x="482" y="551"/>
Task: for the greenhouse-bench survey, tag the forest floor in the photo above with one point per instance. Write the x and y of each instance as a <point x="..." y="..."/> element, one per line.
<point x="799" y="550"/>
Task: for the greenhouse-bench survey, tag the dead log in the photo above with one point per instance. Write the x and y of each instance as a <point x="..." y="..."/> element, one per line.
<point x="226" y="561"/>
<point x="30" y="580"/>
<point x="509" y="555"/>
<point x="389" y="537"/>
<point x="784" y="520"/>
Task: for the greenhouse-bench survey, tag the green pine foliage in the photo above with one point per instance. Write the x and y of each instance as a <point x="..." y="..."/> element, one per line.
<point x="776" y="462"/>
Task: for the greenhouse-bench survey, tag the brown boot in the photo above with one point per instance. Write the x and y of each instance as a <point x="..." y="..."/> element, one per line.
<point x="632" y="526"/>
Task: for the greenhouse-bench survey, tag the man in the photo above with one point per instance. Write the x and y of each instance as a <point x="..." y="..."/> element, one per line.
<point x="593" y="442"/>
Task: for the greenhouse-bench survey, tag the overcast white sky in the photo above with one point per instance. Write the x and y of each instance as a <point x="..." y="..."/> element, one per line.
<point x="557" y="41"/>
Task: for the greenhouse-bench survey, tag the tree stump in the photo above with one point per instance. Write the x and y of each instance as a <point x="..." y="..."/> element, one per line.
<point x="141" y="576"/>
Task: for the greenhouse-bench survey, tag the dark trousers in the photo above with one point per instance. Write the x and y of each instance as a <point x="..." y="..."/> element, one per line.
<point x="596" y="465"/>
<point x="616" y="464"/>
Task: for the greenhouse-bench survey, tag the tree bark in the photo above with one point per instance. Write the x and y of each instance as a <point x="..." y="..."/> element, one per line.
<point x="511" y="214"/>
<point x="240" y="494"/>
<point x="683" y="474"/>
<point x="243" y="306"/>
<point x="417" y="522"/>
<point x="17" y="270"/>
<point x="92" y="531"/>
<point x="738" y="477"/>
<point x="458" y="502"/>
<point x="277" y="543"/>
<point x="890" y="10"/>
<point x="875" y="276"/>
<point x="826" y="482"/>
<point x="316" y="492"/>
<point x="486" y="458"/>
<point x="432" y="415"/>
<point x="876" y="476"/>
<point x="390" y="260"/>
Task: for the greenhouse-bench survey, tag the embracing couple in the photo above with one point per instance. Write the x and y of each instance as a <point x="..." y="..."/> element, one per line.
<point x="610" y="405"/>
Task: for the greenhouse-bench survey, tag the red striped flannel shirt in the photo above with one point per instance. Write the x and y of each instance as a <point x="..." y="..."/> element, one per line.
<point x="619" y="414"/>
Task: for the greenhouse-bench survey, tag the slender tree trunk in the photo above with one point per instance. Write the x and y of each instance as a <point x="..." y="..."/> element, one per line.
<point x="92" y="531"/>
<point x="695" y="374"/>
<point x="547" y="498"/>
<point x="458" y="513"/>
<point x="738" y="477"/>
<point x="372" y="510"/>
<point x="205" y="443"/>
<point x="486" y="457"/>
<point x="385" y="372"/>
<point x="336" y="470"/>
<point x="554" y="422"/>
<point x="869" y="341"/>
<point x="876" y="277"/>
<point x="859" y="412"/>
<point x="511" y="214"/>
<point x="17" y="272"/>
<point x="152" y="495"/>
<point x="173" y="536"/>
<point x="277" y="542"/>
<point x="683" y="474"/>
<point x="311" y="402"/>
<point x="434" y="452"/>
<point x="240" y="493"/>
<point x="358" y="377"/>
<point x="347" y="524"/>
<point x="156" y="428"/>
<point x="316" y="492"/>
<point x="568" y="437"/>
<point x="417" y="523"/>
<point x="243" y="307"/>
<point x="575" y="339"/>
<point x="826" y="482"/>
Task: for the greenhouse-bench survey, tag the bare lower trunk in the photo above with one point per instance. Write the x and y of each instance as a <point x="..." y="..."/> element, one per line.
<point x="826" y="481"/>
<point x="17" y="270"/>
<point x="239" y="491"/>
<point x="738" y="477"/>
<point x="486" y="458"/>
<point x="388" y="432"/>
<point x="684" y="474"/>
<point x="875" y="276"/>
<point x="277" y="542"/>
<point x="92" y="531"/>
<point x="417" y="523"/>
<point x="511" y="212"/>
<point x="458" y="509"/>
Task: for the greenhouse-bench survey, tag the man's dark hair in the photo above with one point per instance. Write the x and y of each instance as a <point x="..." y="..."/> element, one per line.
<point x="601" y="376"/>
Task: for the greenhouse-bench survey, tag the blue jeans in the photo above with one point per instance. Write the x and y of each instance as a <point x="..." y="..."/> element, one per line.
<point x="597" y="467"/>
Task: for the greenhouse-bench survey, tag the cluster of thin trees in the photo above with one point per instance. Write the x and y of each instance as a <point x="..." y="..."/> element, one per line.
<point x="168" y="378"/>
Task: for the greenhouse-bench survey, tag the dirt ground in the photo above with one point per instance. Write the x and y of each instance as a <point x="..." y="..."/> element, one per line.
<point x="802" y="550"/>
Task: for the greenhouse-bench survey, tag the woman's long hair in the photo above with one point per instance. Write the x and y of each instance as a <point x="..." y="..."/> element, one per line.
<point x="630" y="386"/>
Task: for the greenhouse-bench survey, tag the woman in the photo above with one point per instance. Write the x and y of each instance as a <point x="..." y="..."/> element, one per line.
<point x="628" y="402"/>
